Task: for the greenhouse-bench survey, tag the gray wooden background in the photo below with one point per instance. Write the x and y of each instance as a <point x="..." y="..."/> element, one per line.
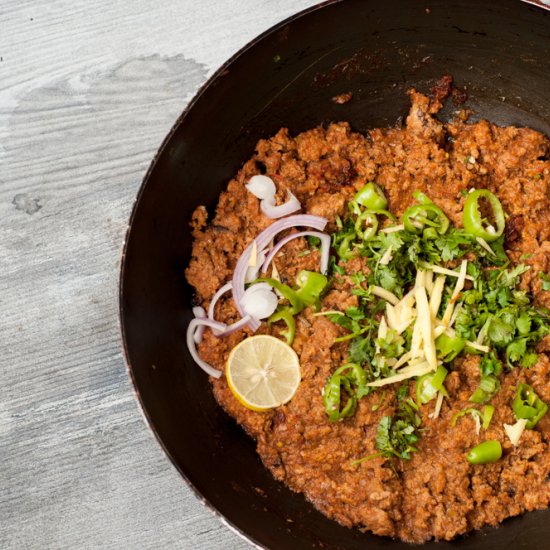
<point x="88" y="90"/>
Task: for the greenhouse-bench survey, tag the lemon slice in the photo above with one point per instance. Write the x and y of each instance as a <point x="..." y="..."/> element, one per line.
<point x="263" y="372"/>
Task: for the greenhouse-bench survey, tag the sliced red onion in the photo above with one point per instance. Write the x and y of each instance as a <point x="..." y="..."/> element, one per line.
<point x="259" y="303"/>
<point x="199" y="313"/>
<point x="262" y="240"/>
<point x="219" y="293"/>
<point x="262" y="187"/>
<point x="193" y="325"/>
<point x="325" y="248"/>
<point x="241" y="323"/>
<point x="255" y="288"/>
<point x="272" y="211"/>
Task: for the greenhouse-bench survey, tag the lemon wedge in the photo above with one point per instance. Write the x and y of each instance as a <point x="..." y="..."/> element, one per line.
<point x="263" y="372"/>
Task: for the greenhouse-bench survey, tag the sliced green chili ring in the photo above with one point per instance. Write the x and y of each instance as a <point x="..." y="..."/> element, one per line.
<point x="463" y="412"/>
<point x="448" y="347"/>
<point x="386" y="213"/>
<point x="488" y="385"/>
<point x="417" y="217"/>
<point x="290" y="294"/>
<point x="429" y="385"/>
<point x="286" y="316"/>
<point x="484" y="416"/>
<point x="487" y="415"/>
<point x="332" y="397"/>
<point x="422" y="198"/>
<point x="366" y="225"/>
<point x="357" y="376"/>
<point x="372" y="197"/>
<point x="310" y="286"/>
<point x="528" y="405"/>
<point x="430" y="234"/>
<point x="472" y="218"/>
<point x="354" y="208"/>
<point x="479" y="396"/>
<point x="353" y="379"/>
<point x="485" y="453"/>
<point x="345" y="247"/>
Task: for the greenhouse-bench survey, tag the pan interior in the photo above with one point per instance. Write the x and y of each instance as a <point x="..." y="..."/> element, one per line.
<point x="499" y="51"/>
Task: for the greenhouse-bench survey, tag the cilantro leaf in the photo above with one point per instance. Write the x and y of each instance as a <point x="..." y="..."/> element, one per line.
<point x="500" y="332"/>
<point x="490" y="365"/>
<point x="361" y="350"/>
<point x="355" y="313"/>
<point x="397" y="435"/>
<point x="314" y="242"/>
<point x="545" y="281"/>
<point x="529" y="360"/>
<point x="516" y="350"/>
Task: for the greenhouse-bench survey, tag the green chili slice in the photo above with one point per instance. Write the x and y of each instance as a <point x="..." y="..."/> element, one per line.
<point x="448" y="347"/>
<point x="430" y="234"/>
<point x="422" y="198"/>
<point x="487" y="415"/>
<point x="357" y="376"/>
<point x="381" y="212"/>
<point x="353" y="380"/>
<point x="310" y="286"/>
<point x="488" y="385"/>
<point x="286" y="316"/>
<point x="485" y="453"/>
<point x="463" y="412"/>
<point x="345" y="248"/>
<point x="372" y="197"/>
<point x="366" y="225"/>
<point x="528" y="405"/>
<point x="424" y="216"/>
<point x="474" y="220"/>
<point x="332" y="397"/>
<point x="290" y="294"/>
<point x="428" y="385"/>
<point x="479" y="396"/>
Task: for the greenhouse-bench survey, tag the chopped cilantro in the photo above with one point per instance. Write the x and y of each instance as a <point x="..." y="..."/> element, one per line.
<point x="545" y="281"/>
<point x="355" y="313"/>
<point x="493" y="311"/>
<point x="490" y="368"/>
<point x="516" y="350"/>
<point x="513" y="324"/>
<point x="396" y="436"/>
<point x="314" y="242"/>
<point x="500" y="332"/>
<point x="361" y="350"/>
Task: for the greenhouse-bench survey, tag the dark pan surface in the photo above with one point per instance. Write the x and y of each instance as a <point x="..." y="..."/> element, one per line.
<point x="499" y="50"/>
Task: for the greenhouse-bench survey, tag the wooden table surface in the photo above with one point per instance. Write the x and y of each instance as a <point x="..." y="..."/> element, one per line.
<point x="88" y="90"/>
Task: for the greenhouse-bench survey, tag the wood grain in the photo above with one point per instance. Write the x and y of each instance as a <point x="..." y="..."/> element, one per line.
<point x="88" y="91"/>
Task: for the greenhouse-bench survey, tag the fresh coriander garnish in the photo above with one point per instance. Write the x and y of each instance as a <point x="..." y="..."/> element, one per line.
<point x="545" y="281"/>
<point x="415" y="310"/>
<point x="397" y="435"/>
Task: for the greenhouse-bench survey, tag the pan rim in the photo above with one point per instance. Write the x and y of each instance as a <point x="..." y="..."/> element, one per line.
<point x="122" y="270"/>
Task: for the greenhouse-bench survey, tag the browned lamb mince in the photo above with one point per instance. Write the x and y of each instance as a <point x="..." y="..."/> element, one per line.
<point x="437" y="493"/>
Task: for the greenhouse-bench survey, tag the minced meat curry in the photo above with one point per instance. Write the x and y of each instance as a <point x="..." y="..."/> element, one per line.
<point x="395" y="462"/>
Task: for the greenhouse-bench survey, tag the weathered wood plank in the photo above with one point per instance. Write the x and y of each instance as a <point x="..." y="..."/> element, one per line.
<point x="87" y="92"/>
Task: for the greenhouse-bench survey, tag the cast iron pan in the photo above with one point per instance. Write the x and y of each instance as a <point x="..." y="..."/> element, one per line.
<point x="499" y="50"/>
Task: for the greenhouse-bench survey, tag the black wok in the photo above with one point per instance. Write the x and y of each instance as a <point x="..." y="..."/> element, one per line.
<point x="499" y="50"/>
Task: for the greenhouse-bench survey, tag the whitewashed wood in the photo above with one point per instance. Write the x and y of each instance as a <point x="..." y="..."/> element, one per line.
<point x="87" y="92"/>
